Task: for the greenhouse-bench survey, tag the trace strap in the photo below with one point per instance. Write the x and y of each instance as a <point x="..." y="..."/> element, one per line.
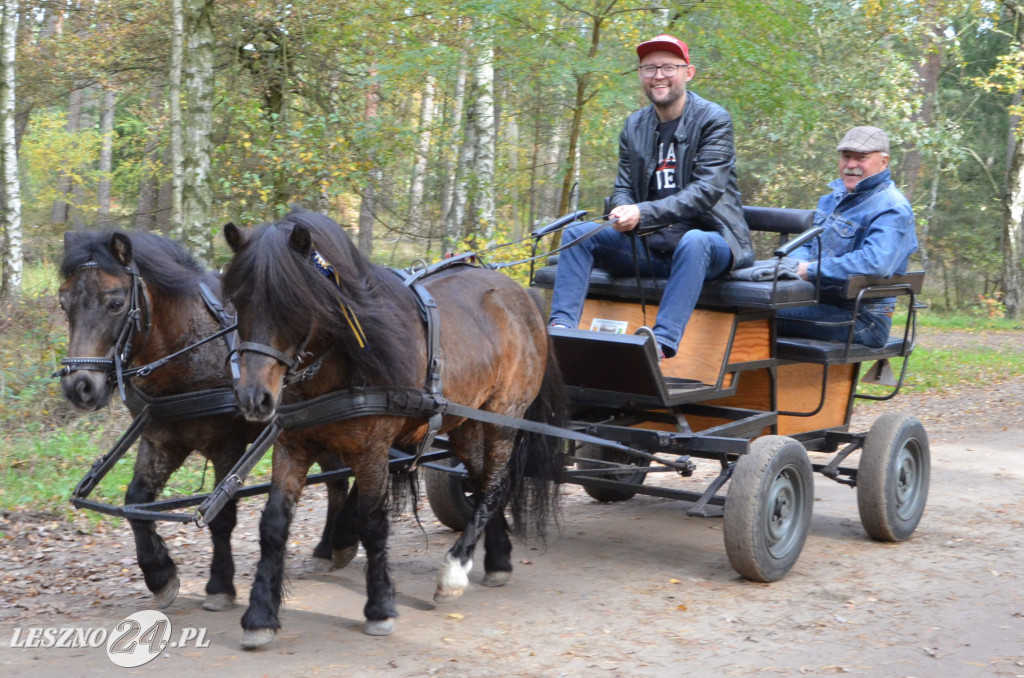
<point x="375" y="401"/>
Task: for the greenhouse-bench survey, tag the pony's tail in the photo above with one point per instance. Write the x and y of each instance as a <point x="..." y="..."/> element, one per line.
<point x="537" y="463"/>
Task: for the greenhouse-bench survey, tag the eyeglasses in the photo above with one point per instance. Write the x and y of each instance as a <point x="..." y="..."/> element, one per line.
<point x="668" y="70"/>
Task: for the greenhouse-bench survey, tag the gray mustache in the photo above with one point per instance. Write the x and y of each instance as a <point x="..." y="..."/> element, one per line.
<point x="854" y="172"/>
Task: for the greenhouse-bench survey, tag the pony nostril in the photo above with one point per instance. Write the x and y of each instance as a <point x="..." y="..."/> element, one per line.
<point x="266" y="404"/>
<point x="256" y="404"/>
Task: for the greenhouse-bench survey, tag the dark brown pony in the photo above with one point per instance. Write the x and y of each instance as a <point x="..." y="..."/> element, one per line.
<point x="306" y="295"/>
<point x="137" y="295"/>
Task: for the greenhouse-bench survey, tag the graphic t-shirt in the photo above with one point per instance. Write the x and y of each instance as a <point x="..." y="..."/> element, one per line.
<point x="663" y="181"/>
<point x="663" y="184"/>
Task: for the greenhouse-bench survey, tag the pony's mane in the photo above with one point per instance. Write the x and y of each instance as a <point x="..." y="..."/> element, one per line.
<point x="268" y="274"/>
<point x="164" y="264"/>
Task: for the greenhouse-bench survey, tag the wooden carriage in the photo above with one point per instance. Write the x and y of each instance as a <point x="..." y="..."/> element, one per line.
<point x="737" y="393"/>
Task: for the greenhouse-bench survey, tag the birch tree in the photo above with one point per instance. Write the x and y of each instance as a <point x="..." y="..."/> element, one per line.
<point x="10" y="283"/>
<point x="419" y="168"/>
<point x="368" y="205"/>
<point x="454" y="193"/>
<point x="484" y="138"/>
<point x="1008" y="77"/>
<point x="197" y="195"/>
<point x="176" y="152"/>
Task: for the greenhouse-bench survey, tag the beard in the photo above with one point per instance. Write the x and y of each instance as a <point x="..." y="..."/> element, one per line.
<point x="675" y="93"/>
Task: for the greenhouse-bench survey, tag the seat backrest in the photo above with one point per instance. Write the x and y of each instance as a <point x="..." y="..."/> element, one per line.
<point x="778" y="219"/>
<point x="877" y="286"/>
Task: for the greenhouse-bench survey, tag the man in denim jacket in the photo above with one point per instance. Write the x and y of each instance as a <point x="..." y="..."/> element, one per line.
<point x="676" y="188"/>
<point x="869" y="230"/>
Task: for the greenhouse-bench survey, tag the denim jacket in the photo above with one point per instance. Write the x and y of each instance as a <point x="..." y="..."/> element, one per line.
<point x="868" y="231"/>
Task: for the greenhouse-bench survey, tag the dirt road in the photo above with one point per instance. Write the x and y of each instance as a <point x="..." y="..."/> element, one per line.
<point x="629" y="589"/>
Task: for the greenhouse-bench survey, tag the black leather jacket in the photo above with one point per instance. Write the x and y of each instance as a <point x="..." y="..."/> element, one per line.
<point x="709" y="199"/>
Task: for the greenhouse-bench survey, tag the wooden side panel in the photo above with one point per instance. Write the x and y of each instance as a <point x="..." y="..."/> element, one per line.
<point x="703" y="349"/>
<point x="752" y="393"/>
<point x="800" y="391"/>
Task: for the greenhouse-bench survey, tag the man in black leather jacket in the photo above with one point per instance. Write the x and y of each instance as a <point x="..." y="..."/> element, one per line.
<point x="676" y="188"/>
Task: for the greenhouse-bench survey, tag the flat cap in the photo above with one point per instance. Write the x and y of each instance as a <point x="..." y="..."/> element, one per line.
<point x="866" y="139"/>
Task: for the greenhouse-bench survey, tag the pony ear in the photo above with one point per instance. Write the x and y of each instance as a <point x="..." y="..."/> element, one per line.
<point x="236" y="237"/>
<point x="300" y="240"/>
<point x="72" y="238"/>
<point x="121" y="248"/>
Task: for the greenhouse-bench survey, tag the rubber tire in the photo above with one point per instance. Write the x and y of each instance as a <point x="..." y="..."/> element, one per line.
<point x="893" y="477"/>
<point x="590" y="451"/>
<point x="775" y="472"/>
<point x="450" y="495"/>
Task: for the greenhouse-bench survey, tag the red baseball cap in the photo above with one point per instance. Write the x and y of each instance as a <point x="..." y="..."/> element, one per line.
<point x="667" y="43"/>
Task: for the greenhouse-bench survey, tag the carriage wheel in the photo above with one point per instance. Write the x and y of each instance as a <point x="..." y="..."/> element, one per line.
<point x="632" y="477"/>
<point x="450" y="494"/>
<point x="893" y="477"/>
<point x="768" y="508"/>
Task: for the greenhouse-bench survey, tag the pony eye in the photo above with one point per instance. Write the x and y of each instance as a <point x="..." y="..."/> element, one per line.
<point x="115" y="305"/>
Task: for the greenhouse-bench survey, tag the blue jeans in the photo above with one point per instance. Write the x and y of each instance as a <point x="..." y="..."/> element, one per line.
<point x="871" y="329"/>
<point x="699" y="256"/>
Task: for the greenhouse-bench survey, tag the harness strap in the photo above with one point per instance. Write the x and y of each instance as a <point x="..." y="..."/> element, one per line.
<point x="232" y="482"/>
<point x="266" y="350"/>
<point x="103" y="465"/>
<point x="226" y="320"/>
<point x="185" y="406"/>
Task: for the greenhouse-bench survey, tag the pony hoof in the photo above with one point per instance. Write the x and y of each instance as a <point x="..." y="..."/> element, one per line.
<point x="497" y="578"/>
<point x="253" y="638"/>
<point x="447" y="595"/>
<point x="342" y="557"/>
<point x="452" y="580"/>
<point x="219" y="602"/>
<point x="379" y="627"/>
<point x="165" y="596"/>
<point x="319" y="565"/>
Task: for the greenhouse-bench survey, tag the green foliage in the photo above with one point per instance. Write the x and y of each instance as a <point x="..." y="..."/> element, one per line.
<point x="49" y="151"/>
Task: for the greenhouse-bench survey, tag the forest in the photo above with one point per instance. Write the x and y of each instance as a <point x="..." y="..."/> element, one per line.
<point x="427" y="127"/>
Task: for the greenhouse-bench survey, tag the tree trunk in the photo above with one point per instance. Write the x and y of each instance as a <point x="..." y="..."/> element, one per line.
<point x="10" y="220"/>
<point x="572" y="174"/>
<point x="1013" y="280"/>
<point x="512" y="138"/>
<point x="177" y="154"/>
<point x="483" y="147"/>
<point x="450" y="213"/>
<point x="928" y="74"/>
<point x="419" y="167"/>
<point x="62" y="206"/>
<point x="368" y="205"/>
<point x="196" y="194"/>
<point x="106" y="156"/>
<point x="147" y="203"/>
<point x="1013" y="277"/>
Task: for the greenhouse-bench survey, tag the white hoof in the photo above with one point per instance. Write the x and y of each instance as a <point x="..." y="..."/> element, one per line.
<point x="165" y="596"/>
<point x="342" y="557"/>
<point x="380" y="627"/>
<point x="219" y="602"/>
<point x="499" y="578"/>
<point x="256" y="638"/>
<point x="452" y="580"/>
<point x="319" y="565"/>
